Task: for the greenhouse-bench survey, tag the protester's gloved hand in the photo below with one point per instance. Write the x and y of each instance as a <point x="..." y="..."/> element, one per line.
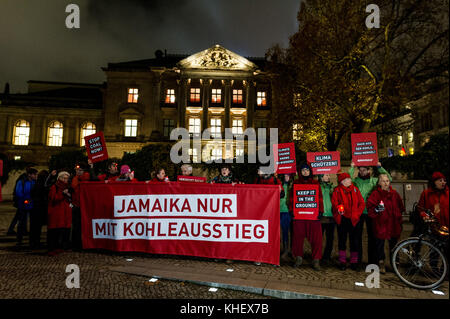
<point x="379" y="209"/>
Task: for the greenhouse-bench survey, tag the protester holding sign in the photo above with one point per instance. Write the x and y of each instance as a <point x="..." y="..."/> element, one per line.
<point x="225" y="176"/>
<point x="186" y="170"/>
<point x="285" y="214"/>
<point x="111" y="174"/>
<point x="328" y="223"/>
<point x="385" y="208"/>
<point x="59" y="215"/>
<point x="366" y="183"/>
<point x="347" y="205"/>
<point x="311" y="229"/>
<point x="159" y="175"/>
<point x="126" y="175"/>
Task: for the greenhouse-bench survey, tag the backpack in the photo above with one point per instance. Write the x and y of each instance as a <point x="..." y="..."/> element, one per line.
<point x="15" y="198"/>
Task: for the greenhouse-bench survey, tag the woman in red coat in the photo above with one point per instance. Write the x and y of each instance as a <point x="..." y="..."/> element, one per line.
<point x="435" y="198"/>
<point x="385" y="208"/>
<point x="59" y="215"/>
<point x="347" y="206"/>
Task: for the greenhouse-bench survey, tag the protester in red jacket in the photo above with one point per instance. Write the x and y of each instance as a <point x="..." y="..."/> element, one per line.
<point x="160" y="175"/>
<point x="59" y="215"/>
<point x="385" y="207"/>
<point x="81" y="175"/>
<point x="112" y="174"/>
<point x="311" y="229"/>
<point x="347" y="206"/>
<point x="435" y="198"/>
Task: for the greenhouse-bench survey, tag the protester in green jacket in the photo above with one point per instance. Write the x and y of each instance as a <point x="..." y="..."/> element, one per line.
<point x="328" y="223"/>
<point x="366" y="183"/>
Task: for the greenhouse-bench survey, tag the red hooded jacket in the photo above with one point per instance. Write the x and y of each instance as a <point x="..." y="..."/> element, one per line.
<point x="386" y="224"/>
<point x="59" y="211"/>
<point x="431" y="197"/>
<point x="352" y="200"/>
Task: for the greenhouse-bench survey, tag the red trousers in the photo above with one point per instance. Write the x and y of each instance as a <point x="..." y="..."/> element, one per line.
<point x="312" y="230"/>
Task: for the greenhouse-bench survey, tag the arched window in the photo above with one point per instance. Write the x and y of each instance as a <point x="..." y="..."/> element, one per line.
<point x="21" y="133"/>
<point x="87" y="129"/>
<point x="55" y="134"/>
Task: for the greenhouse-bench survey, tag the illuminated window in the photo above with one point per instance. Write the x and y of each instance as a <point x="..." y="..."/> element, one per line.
<point x="216" y="95"/>
<point x="132" y="95"/>
<point x="261" y="99"/>
<point x="131" y="128"/>
<point x="168" y="126"/>
<point x="216" y="127"/>
<point x="195" y="95"/>
<point x="237" y="96"/>
<point x="170" y="96"/>
<point x="55" y="134"/>
<point x="399" y="140"/>
<point x="237" y="126"/>
<point x="194" y="154"/>
<point x="239" y="150"/>
<point x="411" y="150"/>
<point x="17" y="158"/>
<point x="296" y="131"/>
<point x="194" y="125"/>
<point x="86" y="130"/>
<point x="391" y="141"/>
<point x="216" y="153"/>
<point x="21" y="133"/>
<point x="410" y="137"/>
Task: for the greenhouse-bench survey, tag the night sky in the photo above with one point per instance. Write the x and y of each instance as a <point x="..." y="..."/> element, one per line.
<point x="36" y="45"/>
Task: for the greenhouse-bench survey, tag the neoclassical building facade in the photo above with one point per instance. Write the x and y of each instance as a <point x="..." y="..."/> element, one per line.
<point x="140" y="103"/>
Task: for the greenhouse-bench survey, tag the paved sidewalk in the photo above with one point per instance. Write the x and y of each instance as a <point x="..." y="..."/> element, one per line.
<point x="280" y="282"/>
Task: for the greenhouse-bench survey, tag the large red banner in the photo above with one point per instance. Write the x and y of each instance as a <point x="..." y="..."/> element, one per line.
<point x="364" y="149"/>
<point x="306" y="201"/>
<point x="324" y="162"/>
<point x="240" y="222"/>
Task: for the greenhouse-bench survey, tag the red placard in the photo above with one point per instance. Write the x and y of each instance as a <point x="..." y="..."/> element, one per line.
<point x="284" y="157"/>
<point x="324" y="162"/>
<point x="306" y="201"/>
<point x="240" y="222"/>
<point x="191" y="179"/>
<point x="96" y="147"/>
<point x="364" y="149"/>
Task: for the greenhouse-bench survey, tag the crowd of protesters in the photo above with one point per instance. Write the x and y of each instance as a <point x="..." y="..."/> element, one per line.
<point x="53" y="199"/>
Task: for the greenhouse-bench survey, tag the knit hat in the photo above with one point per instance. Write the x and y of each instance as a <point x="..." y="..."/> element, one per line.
<point x="436" y="176"/>
<point x="124" y="169"/>
<point x="343" y="176"/>
<point x="304" y="165"/>
<point x="63" y="173"/>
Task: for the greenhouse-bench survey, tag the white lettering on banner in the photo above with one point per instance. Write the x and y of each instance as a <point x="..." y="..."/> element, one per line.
<point x="191" y="205"/>
<point x="245" y="231"/>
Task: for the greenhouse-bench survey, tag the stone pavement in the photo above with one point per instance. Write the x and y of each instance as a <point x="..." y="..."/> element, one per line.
<point x="103" y="274"/>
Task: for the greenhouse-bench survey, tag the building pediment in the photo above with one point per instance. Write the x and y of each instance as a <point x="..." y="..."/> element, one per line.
<point x="217" y="58"/>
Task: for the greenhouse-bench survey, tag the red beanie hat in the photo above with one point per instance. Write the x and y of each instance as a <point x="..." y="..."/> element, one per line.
<point x="436" y="176"/>
<point x="343" y="176"/>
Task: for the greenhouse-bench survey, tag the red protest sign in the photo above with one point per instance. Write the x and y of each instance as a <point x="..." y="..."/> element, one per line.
<point x="96" y="147"/>
<point x="284" y="158"/>
<point x="364" y="149"/>
<point x="324" y="162"/>
<point x="195" y="179"/>
<point x="240" y="222"/>
<point x="306" y="201"/>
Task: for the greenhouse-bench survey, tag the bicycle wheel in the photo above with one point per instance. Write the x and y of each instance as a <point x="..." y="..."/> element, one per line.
<point x="419" y="264"/>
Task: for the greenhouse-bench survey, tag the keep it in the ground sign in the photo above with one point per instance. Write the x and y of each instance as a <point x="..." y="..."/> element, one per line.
<point x="306" y="201"/>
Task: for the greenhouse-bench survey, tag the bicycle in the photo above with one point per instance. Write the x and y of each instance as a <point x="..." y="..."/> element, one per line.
<point x="420" y="261"/>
